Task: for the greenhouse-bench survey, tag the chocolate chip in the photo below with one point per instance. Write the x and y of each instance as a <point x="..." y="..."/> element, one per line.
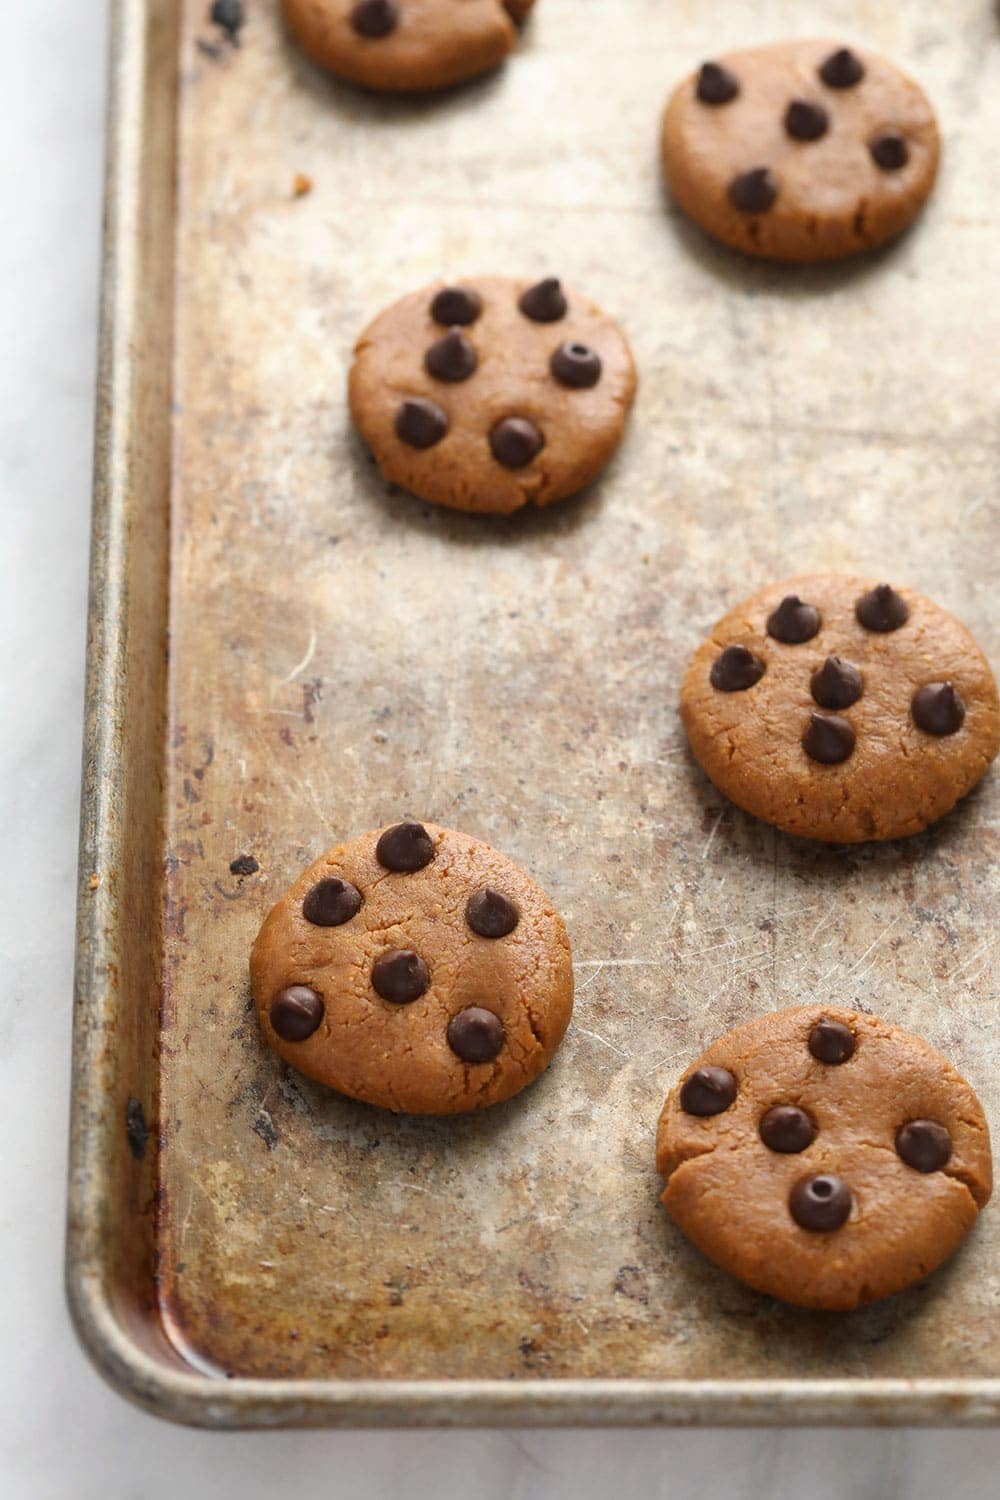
<point x="515" y="441"/>
<point x="491" y="914"/>
<point x="828" y="739"/>
<point x="545" y="302"/>
<point x="937" y="708"/>
<point x="708" y="1091"/>
<point x="244" y="864"/>
<point x="842" y="69"/>
<point x="576" y="365"/>
<point x="924" y="1145"/>
<point x="805" y="121"/>
<point x="375" y="18"/>
<point x="400" y="976"/>
<point x="793" y="622"/>
<point x="456" y="305"/>
<point x="476" y="1035"/>
<point x="405" y="847"/>
<point x="452" y="357"/>
<point x="753" y="192"/>
<point x="716" y="84"/>
<point x="836" y="684"/>
<point x="736" y="669"/>
<point x="882" y="609"/>
<point x="420" y="423"/>
<point x="787" y="1128"/>
<point x="296" y="1013"/>
<point x="332" y="902"/>
<point x="831" y="1042"/>
<point x="889" y="151"/>
<point x="229" y="15"/>
<point x="820" y="1203"/>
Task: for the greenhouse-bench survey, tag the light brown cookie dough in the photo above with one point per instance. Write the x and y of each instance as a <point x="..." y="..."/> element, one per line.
<point x="404" y="46"/>
<point x="841" y="709"/>
<point x="824" y="1156"/>
<point x="416" y="969"/>
<point x="493" y="393"/>
<point x="800" y="151"/>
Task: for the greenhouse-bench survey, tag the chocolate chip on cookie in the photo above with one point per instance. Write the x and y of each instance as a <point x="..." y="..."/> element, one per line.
<point x="841" y="710"/>
<point x="406" y="45"/>
<point x="827" y="1186"/>
<point x="522" y="399"/>
<point x="447" y="987"/>
<point x="800" y="150"/>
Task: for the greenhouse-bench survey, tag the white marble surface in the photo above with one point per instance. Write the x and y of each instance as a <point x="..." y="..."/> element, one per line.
<point x="62" y="1432"/>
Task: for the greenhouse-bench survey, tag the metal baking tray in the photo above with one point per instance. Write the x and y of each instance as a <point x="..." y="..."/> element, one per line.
<point x="283" y="652"/>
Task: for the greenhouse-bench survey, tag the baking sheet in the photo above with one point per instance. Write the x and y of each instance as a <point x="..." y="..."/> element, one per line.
<point x="340" y="655"/>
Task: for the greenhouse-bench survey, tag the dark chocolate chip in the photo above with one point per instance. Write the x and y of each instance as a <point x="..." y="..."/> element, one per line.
<point x="229" y="15"/>
<point x="400" y="976"/>
<point x="545" y="302"/>
<point x="456" y="305"/>
<point x="405" y="847"/>
<point x="452" y="357"/>
<point x="793" y="622"/>
<point x="420" y="423"/>
<point x="924" y="1145"/>
<point x="515" y="441"/>
<point x="476" y="1035"/>
<point x="716" y="84"/>
<point x="753" y="192"/>
<point x="836" y="684"/>
<point x="332" y="902"/>
<point x="244" y="864"/>
<point x="708" y="1091"/>
<point x="890" y="153"/>
<point x="882" y="609"/>
<point x="805" y="121"/>
<point x="736" y="669"/>
<point x="490" y="913"/>
<point x="576" y="365"/>
<point x="375" y="18"/>
<point x="829" y="739"/>
<point x="820" y="1203"/>
<point x="831" y="1042"/>
<point x="787" y="1128"/>
<point x="842" y="69"/>
<point x="937" y="708"/>
<point x="296" y="1013"/>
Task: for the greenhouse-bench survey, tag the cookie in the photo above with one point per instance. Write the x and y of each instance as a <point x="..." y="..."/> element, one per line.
<point x="825" y="1157"/>
<point x="800" y="151"/>
<point x="492" y="394"/>
<point x="416" y="969"/>
<point x="841" y="708"/>
<point x="404" y="46"/>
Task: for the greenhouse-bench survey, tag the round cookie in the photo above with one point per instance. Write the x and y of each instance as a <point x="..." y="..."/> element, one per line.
<point x="841" y="709"/>
<point x="416" y="969"/>
<point x="801" y="150"/>
<point x="824" y="1156"/>
<point x="492" y="394"/>
<point x="404" y="46"/>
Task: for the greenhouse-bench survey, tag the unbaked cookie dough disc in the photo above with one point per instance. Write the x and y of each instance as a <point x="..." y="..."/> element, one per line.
<point x="824" y="1156"/>
<point x="800" y="151"/>
<point x="841" y="708"/>
<point x="406" y="46"/>
<point x="492" y="393"/>
<point x="415" y="968"/>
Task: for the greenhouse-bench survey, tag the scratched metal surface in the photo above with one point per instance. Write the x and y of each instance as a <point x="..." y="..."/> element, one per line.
<point x="340" y="655"/>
